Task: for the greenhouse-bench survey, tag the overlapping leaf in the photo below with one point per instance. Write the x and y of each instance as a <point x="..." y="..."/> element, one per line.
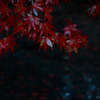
<point x="33" y="34"/>
<point x="62" y="41"/>
<point x="46" y="28"/>
<point x="33" y="21"/>
<point x="45" y="41"/>
<point x="20" y="9"/>
<point x="4" y="9"/>
<point x="71" y="30"/>
<point x="11" y="21"/>
<point x="37" y="6"/>
<point x="21" y="27"/>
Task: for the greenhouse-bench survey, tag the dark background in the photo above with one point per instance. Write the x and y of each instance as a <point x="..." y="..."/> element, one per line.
<point x="34" y="75"/>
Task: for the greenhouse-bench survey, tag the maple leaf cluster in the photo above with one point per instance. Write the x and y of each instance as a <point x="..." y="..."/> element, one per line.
<point x="35" y="21"/>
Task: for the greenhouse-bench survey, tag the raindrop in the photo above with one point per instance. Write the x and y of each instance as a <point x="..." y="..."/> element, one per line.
<point x="92" y="88"/>
<point x="67" y="94"/>
<point x="89" y="96"/>
<point x="90" y="79"/>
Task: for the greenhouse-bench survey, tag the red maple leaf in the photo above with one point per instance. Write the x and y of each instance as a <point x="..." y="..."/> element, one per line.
<point x="71" y="30"/>
<point x="75" y="43"/>
<point x="11" y="21"/>
<point x="21" y="27"/>
<point x="33" y="21"/>
<point x="46" y="28"/>
<point x="4" y="24"/>
<point x="7" y="43"/>
<point x="33" y="34"/>
<point x="20" y="9"/>
<point x="62" y="41"/>
<point x="37" y="6"/>
<point x="4" y="9"/>
<point x="45" y="41"/>
<point x="83" y="40"/>
<point x="47" y="11"/>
